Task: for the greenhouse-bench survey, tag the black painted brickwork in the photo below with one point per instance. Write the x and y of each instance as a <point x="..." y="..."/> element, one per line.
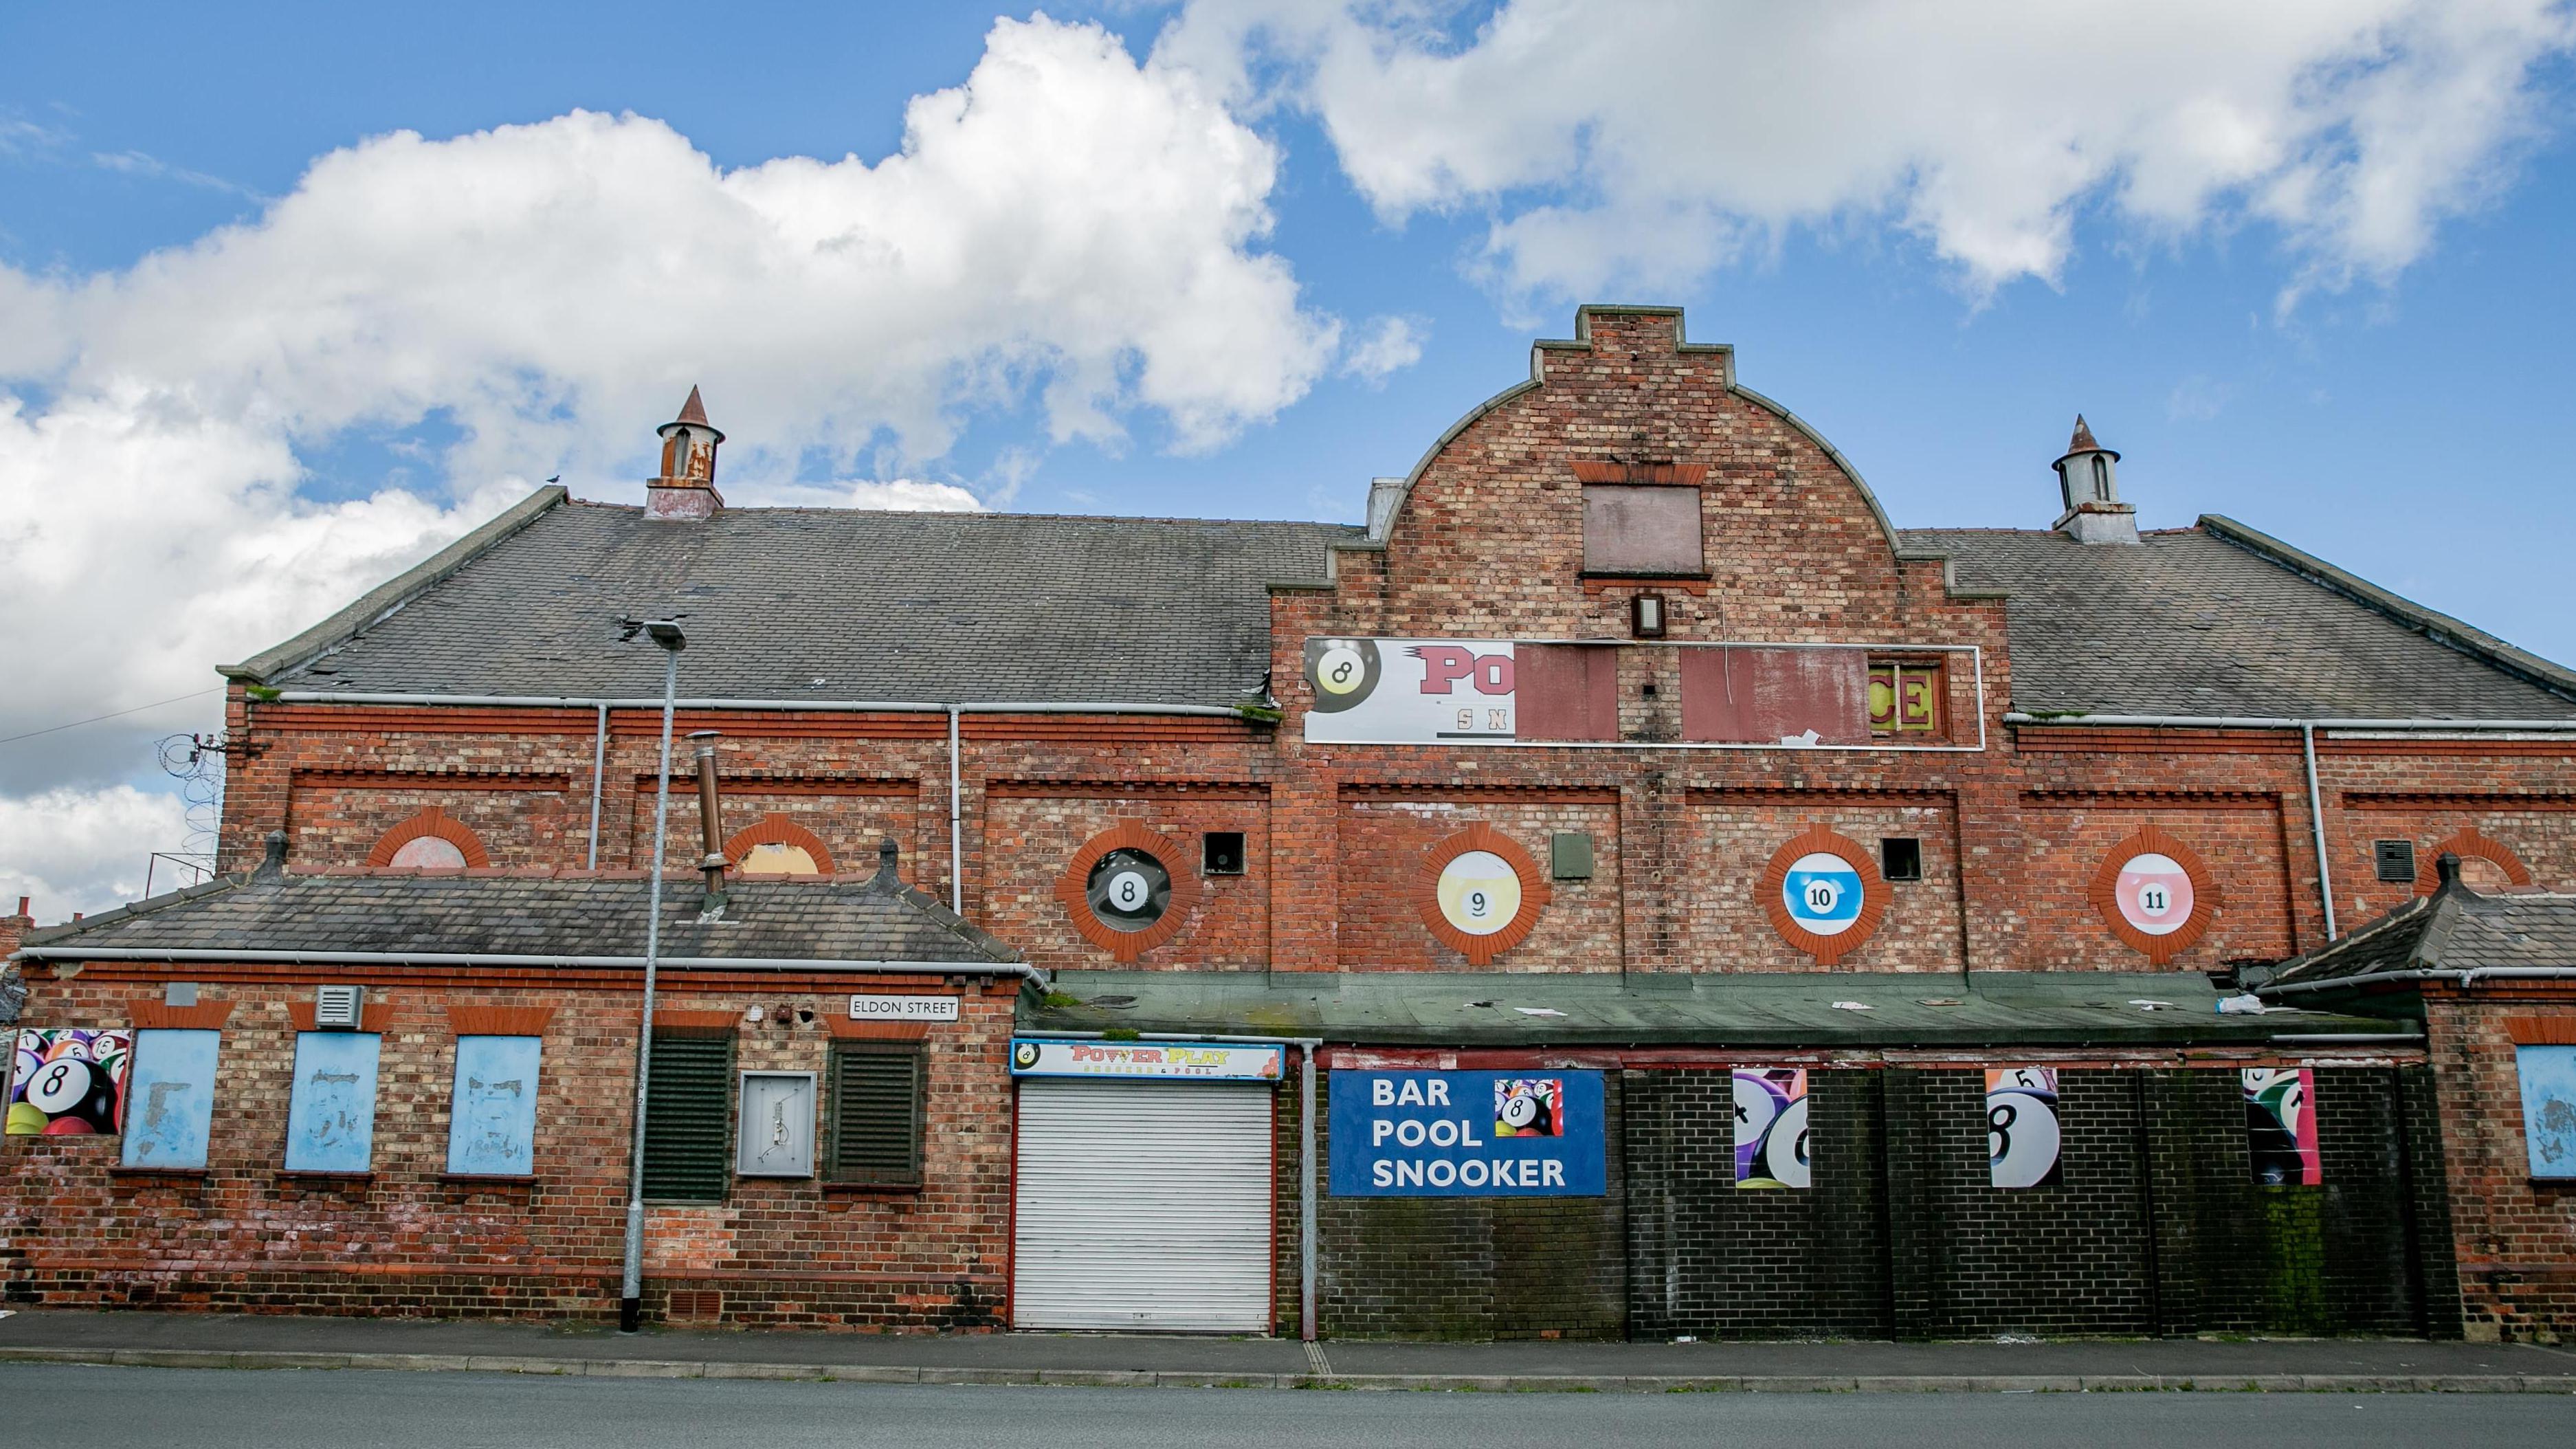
<point x="1707" y="1259"/>
<point x="2067" y="1259"/>
<point x="1426" y="1267"/>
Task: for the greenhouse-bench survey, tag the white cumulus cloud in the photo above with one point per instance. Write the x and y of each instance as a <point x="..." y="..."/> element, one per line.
<point x="1644" y="142"/>
<point x="1386" y="345"/>
<point x="1067" y="226"/>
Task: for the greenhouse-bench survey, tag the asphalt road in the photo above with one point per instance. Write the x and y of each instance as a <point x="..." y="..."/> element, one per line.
<point x="49" y="1405"/>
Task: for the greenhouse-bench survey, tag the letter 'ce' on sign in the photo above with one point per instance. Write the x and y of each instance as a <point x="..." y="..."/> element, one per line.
<point x="1530" y="1133"/>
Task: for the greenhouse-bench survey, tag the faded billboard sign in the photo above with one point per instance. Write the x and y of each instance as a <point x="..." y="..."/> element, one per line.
<point x="1402" y="691"/>
<point x="492" y="1129"/>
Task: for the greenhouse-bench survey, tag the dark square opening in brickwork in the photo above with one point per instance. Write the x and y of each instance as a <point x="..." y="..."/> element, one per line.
<point x="1221" y="852"/>
<point x="2395" y="859"/>
<point x="1900" y="857"/>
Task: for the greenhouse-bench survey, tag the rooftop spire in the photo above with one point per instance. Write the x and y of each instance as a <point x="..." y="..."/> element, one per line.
<point x="2082" y="442"/>
<point x="686" y="486"/>
<point x="694" y="411"/>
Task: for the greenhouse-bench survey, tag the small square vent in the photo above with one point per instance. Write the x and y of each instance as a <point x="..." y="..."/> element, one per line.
<point x="2396" y="860"/>
<point x="338" y="1008"/>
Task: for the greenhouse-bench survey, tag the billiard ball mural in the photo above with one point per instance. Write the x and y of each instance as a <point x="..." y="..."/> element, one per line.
<point x="1481" y="893"/>
<point x="2281" y="1126"/>
<point x="1824" y="894"/>
<point x="1771" y="1128"/>
<point x="2021" y="1127"/>
<point x="1128" y="889"/>
<point x="1529" y="1107"/>
<point x="1343" y="672"/>
<point x="68" y="1082"/>
<point x="2155" y="893"/>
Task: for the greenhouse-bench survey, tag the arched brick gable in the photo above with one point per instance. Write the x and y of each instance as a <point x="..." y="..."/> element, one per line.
<point x="430" y="822"/>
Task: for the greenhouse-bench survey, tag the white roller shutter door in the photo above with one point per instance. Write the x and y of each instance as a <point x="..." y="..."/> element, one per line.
<point x="1142" y="1205"/>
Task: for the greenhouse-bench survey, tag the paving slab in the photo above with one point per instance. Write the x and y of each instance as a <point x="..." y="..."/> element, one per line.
<point x="253" y="1341"/>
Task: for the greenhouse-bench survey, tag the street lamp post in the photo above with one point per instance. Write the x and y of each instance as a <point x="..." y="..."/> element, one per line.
<point x="630" y="1301"/>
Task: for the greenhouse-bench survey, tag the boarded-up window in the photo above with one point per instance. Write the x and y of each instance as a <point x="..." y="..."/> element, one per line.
<point x="1905" y="696"/>
<point x="877" y="1096"/>
<point x="1566" y="691"/>
<point x="492" y="1125"/>
<point x="331" y="1110"/>
<point x="1774" y="695"/>
<point x="1641" y="529"/>
<point x="688" y="1107"/>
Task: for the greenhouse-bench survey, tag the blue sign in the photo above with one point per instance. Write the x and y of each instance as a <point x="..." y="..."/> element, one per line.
<point x="1823" y="893"/>
<point x="1531" y="1133"/>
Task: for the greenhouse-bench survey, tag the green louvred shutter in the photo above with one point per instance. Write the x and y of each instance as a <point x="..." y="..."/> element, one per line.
<point x="689" y="1106"/>
<point x="876" y="1114"/>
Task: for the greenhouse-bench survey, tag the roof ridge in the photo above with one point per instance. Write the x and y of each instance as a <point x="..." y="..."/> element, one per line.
<point x="2454" y="634"/>
<point x="401" y="589"/>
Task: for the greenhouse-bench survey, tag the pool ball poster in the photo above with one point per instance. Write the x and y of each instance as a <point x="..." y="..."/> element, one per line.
<point x="69" y="1082"/>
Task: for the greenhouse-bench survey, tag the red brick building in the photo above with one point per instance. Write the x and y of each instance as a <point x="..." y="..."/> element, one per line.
<point x="1628" y="765"/>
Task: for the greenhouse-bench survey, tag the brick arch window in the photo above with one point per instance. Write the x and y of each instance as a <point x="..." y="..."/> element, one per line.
<point x="776" y="845"/>
<point x="430" y="840"/>
<point x="2469" y="845"/>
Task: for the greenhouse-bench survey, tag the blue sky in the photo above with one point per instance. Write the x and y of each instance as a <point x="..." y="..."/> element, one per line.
<point x="2273" y="338"/>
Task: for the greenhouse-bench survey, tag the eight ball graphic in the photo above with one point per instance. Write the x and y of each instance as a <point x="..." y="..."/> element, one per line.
<point x="1128" y="890"/>
<point x="1342" y="672"/>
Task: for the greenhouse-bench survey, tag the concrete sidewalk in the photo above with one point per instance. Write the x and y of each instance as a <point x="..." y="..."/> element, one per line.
<point x="1119" y="1360"/>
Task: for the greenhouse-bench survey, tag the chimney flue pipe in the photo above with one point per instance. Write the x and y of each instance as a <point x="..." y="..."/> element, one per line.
<point x="710" y="817"/>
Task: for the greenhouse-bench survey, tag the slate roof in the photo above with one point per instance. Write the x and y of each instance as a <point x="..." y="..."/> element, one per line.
<point x="447" y="913"/>
<point x="2454" y="929"/>
<point x="829" y="605"/>
<point x="1994" y="1008"/>
<point x="2219" y="620"/>
<point x="843" y="605"/>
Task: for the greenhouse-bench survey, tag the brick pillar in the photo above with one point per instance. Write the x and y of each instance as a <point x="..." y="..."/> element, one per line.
<point x="2428" y="1203"/>
<point x="2167" y="1131"/>
<point x="1910" y="1221"/>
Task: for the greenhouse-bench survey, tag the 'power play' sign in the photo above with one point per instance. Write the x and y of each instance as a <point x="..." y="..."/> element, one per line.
<point x="1531" y="1133"/>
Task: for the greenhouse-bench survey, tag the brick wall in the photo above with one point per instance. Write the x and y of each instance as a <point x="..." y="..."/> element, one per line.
<point x="1528" y="1267"/>
<point x="1385" y="837"/>
<point x="1709" y="1260"/>
<point x="2515" y="1237"/>
<point x="406" y="1240"/>
<point x="1032" y="833"/>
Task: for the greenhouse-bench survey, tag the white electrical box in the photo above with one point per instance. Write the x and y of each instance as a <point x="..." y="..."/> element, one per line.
<point x="775" y="1137"/>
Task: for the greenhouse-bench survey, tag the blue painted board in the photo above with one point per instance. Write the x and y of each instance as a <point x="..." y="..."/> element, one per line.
<point x="331" y="1112"/>
<point x="2549" y="1108"/>
<point x="170" y="1098"/>
<point x="493" y="1126"/>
